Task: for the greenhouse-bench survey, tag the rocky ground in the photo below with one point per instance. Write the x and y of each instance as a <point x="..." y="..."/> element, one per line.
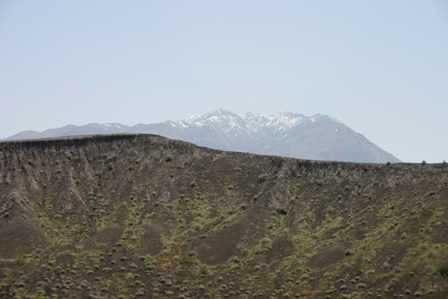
<point x="141" y="216"/>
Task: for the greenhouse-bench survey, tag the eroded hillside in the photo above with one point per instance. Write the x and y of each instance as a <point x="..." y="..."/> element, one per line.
<point x="142" y="216"/>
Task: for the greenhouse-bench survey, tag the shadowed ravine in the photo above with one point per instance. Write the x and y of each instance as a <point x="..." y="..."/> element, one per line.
<point x="142" y="216"/>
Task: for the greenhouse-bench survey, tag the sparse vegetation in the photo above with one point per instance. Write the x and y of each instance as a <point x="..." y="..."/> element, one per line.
<point x="276" y="228"/>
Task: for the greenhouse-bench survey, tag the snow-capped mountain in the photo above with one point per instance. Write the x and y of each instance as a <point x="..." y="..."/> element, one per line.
<point x="317" y="137"/>
<point x="248" y="122"/>
<point x="240" y="124"/>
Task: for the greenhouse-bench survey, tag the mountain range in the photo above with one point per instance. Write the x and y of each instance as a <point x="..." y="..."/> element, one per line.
<point x="317" y="137"/>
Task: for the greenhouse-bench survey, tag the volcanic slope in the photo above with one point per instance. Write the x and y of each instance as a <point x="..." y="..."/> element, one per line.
<point x="142" y="216"/>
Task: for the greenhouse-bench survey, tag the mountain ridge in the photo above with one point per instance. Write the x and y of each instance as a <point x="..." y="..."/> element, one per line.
<point x="316" y="137"/>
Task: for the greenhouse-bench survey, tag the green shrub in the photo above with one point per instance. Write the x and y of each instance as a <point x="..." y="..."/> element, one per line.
<point x="443" y="271"/>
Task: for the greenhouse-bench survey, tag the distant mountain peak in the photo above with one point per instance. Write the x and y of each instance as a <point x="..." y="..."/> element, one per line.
<point x="316" y="137"/>
<point x="251" y="122"/>
<point x="220" y="116"/>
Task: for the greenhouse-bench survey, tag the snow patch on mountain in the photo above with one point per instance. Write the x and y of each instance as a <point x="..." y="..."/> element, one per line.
<point x="248" y="122"/>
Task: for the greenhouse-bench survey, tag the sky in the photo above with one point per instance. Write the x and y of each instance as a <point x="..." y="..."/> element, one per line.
<point x="379" y="66"/>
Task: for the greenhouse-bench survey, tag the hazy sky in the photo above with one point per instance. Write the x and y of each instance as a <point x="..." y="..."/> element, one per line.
<point x="380" y="66"/>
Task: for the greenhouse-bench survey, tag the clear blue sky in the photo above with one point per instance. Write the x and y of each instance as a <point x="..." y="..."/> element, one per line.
<point x="380" y="66"/>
